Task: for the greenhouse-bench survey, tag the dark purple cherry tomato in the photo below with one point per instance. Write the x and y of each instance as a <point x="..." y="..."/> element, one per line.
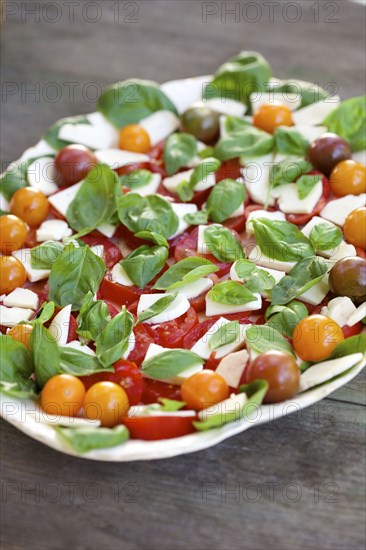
<point x="327" y="151"/>
<point x="73" y="163"/>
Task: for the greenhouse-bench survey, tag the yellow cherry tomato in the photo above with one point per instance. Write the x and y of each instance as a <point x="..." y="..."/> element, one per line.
<point x="63" y="395"/>
<point x="21" y="333"/>
<point x="107" y="402"/>
<point x="12" y="274"/>
<point x="348" y="178"/>
<point x="315" y="337"/>
<point x="134" y="138"/>
<point x="204" y="389"/>
<point x="30" y="205"/>
<point x="13" y="233"/>
<point x="271" y="115"/>
<point x="355" y="227"/>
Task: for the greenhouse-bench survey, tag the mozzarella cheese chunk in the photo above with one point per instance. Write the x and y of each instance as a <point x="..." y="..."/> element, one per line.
<point x="4" y="205"/>
<point x="75" y="344"/>
<point x="290" y="100"/>
<point x="98" y="250"/>
<point x="41" y="175"/>
<point x="202" y="348"/>
<point x="360" y="156"/>
<point x="311" y="133"/>
<point x="234" y="404"/>
<point x="151" y="187"/>
<point x="21" y="297"/>
<point x="154" y="350"/>
<point x="171" y="183"/>
<point x="59" y="327"/>
<point x="289" y="201"/>
<point x="339" y="309"/>
<point x="11" y="316"/>
<point x="38" y="150"/>
<point x="232" y="366"/>
<point x="321" y="372"/>
<point x="336" y="211"/>
<point x="182" y="93"/>
<point x="256" y="178"/>
<point x="341" y="251"/>
<point x="262" y="214"/>
<point x="53" y="230"/>
<point x="196" y="288"/>
<point x="90" y="135"/>
<point x="316" y="112"/>
<point x="115" y="158"/>
<point x="217" y="308"/>
<point x="120" y="276"/>
<point x="24" y="256"/>
<point x="357" y="315"/>
<point x="257" y="256"/>
<point x="160" y="125"/>
<point x="181" y="209"/>
<point x="108" y="134"/>
<point x="316" y="294"/>
<point x="178" y="307"/>
<point x="226" y="106"/>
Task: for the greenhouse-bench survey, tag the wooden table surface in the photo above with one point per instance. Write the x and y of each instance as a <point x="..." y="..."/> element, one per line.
<point x="296" y="483"/>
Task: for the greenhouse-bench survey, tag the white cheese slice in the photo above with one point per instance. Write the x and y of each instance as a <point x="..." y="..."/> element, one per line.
<point x="41" y="175"/>
<point x="337" y="210"/>
<point x="131" y="345"/>
<point x="262" y="214"/>
<point x="217" y="308"/>
<point x="339" y="309"/>
<point x="107" y="229"/>
<point x="98" y="250"/>
<point x="341" y="251"/>
<point x="120" y="276"/>
<point x="315" y="113"/>
<point x="24" y="256"/>
<point x="257" y="256"/>
<point x="316" y="294"/>
<point x="151" y="187"/>
<point x="83" y="134"/>
<point x="196" y="288"/>
<point x="226" y="106"/>
<point x="289" y="201"/>
<point x="108" y="134"/>
<point x="311" y="133"/>
<point x="53" y="230"/>
<point x="181" y="209"/>
<point x="4" y="204"/>
<point x="171" y="183"/>
<point x="256" y="178"/>
<point x="290" y="100"/>
<point x="234" y="404"/>
<point x="75" y="344"/>
<point x="360" y="156"/>
<point x="38" y="150"/>
<point x="21" y="297"/>
<point x="178" y="307"/>
<point x="11" y="316"/>
<point x="154" y="350"/>
<point x="202" y="348"/>
<point x="232" y="366"/>
<point x="160" y="125"/>
<point x="59" y="327"/>
<point x="357" y="315"/>
<point x="69" y="421"/>
<point x="115" y="158"/>
<point x="321" y="372"/>
<point x="183" y="93"/>
<point x="238" y="212"/>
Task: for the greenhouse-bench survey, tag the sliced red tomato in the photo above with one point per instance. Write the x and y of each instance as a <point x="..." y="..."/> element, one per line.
<point x="154" y="389"/>
<point x="212" y="362"/>
<point x="144" y="336"/>
<point x="172" y="333"/>
<point x="352" y="331"/>
<point x="157" y="151"/>
<point x="302" y="219"/>
<point x="235" y="224"/>
<point x="197" y="332"/>
<point x="120" y="295"/>
<point x="229" y="169"/>
<point x="111" y="254"/>
<point x="153" y="428"/>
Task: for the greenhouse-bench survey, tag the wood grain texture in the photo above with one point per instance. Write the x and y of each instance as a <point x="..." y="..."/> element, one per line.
<point x="295" y="483"/>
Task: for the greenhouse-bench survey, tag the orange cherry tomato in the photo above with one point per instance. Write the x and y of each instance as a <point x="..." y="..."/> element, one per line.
<point x="134" y="138"/>
<point x="315" y="337"/>
<point x="271" y="115"/>
<point x="13" y="233"/>
<point x="355" y="227"/>
<point x="12" y="274"/>
<point x="30" y="205"/>
<point x="63" y="395"/>
<point x="348" y="178"/>
<point x="21" y="333"/>
<point x="107" y="402"/>
<point x="204" y="389"/>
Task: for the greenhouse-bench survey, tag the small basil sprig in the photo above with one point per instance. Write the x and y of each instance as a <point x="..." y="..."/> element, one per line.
<point x="222" y="243"/>
<point x="112" y="342"/>
<point x="262" y="338"/>
<point x="325" y="236"/>
<point x="14" y="178"/>
<point x="144" y="263"/>
<point x="136" y="179"/>
<point x="289" y="141"/>
<point x="185" y="271"/>
<point x="156" y="308"/>
<point x="87" y="439"/>
<point x="281" y="240"/>
<point x="354" y="344"/>
<point x="305" y="185"/>
<point x="208" y="166"/>
<point x="179" y="150"/>
<point x="255" y="279"/>
<point x="156" y="238"/>
<point x="44" y="255"/>
<point x="287" y="171"/>
<point x="93" y="317"/>
<point x="46" y="354"/>
<point x="247" y="141"/>
<point x="227" y="333"/>
<point x="78" y="363"/>
<point x="197" y="218"/>
<point x="232" y="124"/>
<point x="348" y="120"/>
<point x="231" y="293"/>
<point x="226" y="197"/>
<point x="16" y="367"/>
<point x="44" y="314"/>
<point x="169" y="364"/>
<point x="285" y="318"/>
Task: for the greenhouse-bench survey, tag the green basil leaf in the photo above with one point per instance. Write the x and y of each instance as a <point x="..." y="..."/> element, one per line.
<point x="136" y="179"/>
<point x="222" y="243"/>
<point x="113" y="341"/>
<point x="14" y="178"/>
<point x="308" y="91"/>
<point x="83" y="440"/>
<point x="75" y="273"/>
<point x="349" y="121"/>
<point x="353" y="344"/>
<point x="198" y="218"/>
<point x="179" y="150"/>
<point x="325" y="236"/>
<point x="44" y="255"/>
<point x="184" y="191"/>
<point x="208" y="166"/>
<point x="205" y="153"/>
<point x="247" y="142"/>
<point x="52" y="133"/>
<point x="255" y="279"/>
<point x="185" y="271"/>
<point x="156" y="238"/>
<point x="232" y="124"/>
<point x="45" y="313"/>
<point x="305" y="184"/>
<point x="289" y="141"/>
<point x="78" y="363"/>
<point x="130" y="101"/>
<point x="288" y="171"/>
<point x="286" y="318"/>
<point x="144" y="263"/>
<point x="226" y="197"/>
<point x="227" y="333"/>
<point x="169" y="364"/>
<point x="281" y="240"/>
<point x="170" y="405"/>
<point x="16" y="367"/>
<point x="46" y="354"/>
<point x="93" y="317"/>
<point x="262" y="338"/>
<point x="156" y="308"/>
<point x="231" y="293"/>
<point x="306" y="273"/>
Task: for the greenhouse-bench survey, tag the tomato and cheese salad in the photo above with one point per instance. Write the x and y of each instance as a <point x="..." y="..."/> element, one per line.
<point x="183" y="254"/>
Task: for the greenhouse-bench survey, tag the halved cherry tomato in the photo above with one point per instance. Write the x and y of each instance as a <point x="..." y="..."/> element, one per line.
<point x="154" y="389"/>
<point x="172" y="333"/>
<point x="153" y="428"/>
<point x="144" y="336"/>
<point x="302" y="219"/>
<point x="111" y="253"/>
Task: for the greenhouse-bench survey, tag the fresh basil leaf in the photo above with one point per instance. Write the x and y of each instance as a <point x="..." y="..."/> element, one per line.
<point x="169" y="364"/>
<point x="208" y="166"/>
<point x="185" y="271"/>
<point x="75" y="273"/>
<point x="93" y="317"/>
<point x="83" y="440"/>
<point x="170" y="405"/>
<point x="306" y="273"/>
<point x="179" y="150"/>
<point x="44" y="255"/>
<point x="325" y="236"/>
<point x="184" y="191"/>
<point x="233" y="123"/>
<point x="288" y="171"/>
<point x="289" y="141"/>
<point x="198" y="218"/>
<point x="348" y="120"/>
<point x="231" y="293"/>
<point x="286" y="318"/>
<point x="130" y="101"/>
<point x="52" y="133"/>
<point x="45" y="313"/>
<point x="227" y="333"/>
<point x="255" y="279"/>
<point x="247" y="142"/>
<point x="78" y="363"/>
<point x="144" y="263"/>
<point x="262" y="338"/>
<point x="222" y="243"/>
<point x="308" y="91"/>
<point x="14" y="178"/>
<point x="156" y="238"/>
<point x="281" y="240"/>
<point x="305" y="184"/>
<point x="136" y="179"/>
<point x="151" y="213"/>
<point x="205" y="153"/>
<point x="226" y="197"/>
<point x="113" y="341"/>
<point x="46" y="354"/>
<point x="239" y="77"/>
<point x="16" y="367"/>
<point x="353" y="344"/>
<point x="156" y="308"/>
